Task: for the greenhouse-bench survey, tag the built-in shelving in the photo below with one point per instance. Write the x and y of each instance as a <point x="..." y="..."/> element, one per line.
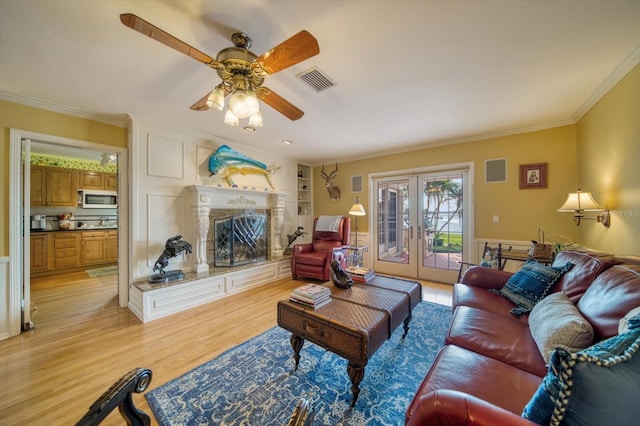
<point x="305" y="200"/>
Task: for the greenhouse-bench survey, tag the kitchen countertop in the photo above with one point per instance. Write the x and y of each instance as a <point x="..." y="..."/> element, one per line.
<point x="84" y="228"/>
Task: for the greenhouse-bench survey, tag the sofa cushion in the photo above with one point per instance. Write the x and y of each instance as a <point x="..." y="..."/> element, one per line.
<point x="483" y="377"/>
<point x="588" y="264"/>
<point x="503" y="338"/>
<point x="478" y="297"/>
<point x="556" y="322"/>
<point x="597" y="386"/>
<point x="611" y="296"/>
<point x="531" y="284"/>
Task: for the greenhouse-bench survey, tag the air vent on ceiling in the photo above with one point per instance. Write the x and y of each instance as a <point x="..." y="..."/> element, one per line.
<point x="316" y="79"/>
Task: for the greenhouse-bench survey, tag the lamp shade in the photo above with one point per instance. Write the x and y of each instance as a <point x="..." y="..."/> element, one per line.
<point x="357" y="210"/>
<point x="580" y="201"/>
<point x="216" y="99"/>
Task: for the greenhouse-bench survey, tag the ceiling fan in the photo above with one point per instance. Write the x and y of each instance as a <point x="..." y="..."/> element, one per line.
<point x="242" y="72"/>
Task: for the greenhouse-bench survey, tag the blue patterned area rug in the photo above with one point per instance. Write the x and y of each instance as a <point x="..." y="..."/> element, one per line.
<point x="254" y="383"/>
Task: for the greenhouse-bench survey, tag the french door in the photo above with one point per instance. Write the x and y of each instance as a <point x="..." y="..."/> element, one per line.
<point x="422" y="229"/>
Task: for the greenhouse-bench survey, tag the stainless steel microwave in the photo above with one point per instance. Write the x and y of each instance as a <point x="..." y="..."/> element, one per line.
<point x="95" y="199"/>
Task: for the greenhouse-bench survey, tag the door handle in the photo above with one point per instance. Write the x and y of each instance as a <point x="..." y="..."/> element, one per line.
<point x="411" y="232"/>
<point x="419" y="232"/>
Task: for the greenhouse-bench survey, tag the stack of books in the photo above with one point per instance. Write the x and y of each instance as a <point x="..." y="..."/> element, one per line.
<point x="312" y="295"/>
<point x="361" y="275"/>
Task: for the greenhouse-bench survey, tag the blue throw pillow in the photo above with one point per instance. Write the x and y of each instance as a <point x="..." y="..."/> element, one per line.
<point x="596" y="386"/>
<point x="530" y="284"/>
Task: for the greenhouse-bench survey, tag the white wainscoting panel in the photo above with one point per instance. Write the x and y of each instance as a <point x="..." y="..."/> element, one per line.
<point x="165" y="157"/>
<point x="5" y="328"/>
<point x="165" y="219"/>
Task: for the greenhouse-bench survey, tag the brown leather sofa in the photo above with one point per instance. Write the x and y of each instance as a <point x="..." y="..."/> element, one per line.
<point x="490" y="366"/>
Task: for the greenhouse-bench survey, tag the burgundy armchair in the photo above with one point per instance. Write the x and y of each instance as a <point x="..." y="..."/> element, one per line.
<point x="313" y="259"/>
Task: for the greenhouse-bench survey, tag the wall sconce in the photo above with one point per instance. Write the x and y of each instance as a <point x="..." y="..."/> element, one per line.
<point x="580" y="202"/>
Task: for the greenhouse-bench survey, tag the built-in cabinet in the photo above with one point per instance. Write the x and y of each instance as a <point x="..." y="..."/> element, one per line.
<point x="65" y="250"/>
<point x="59" y="251"/>
<point x="98" y="180"/>
<point x="39" y="252"/>
<point x="56" y="186"/>
<point x="305" y="201"/>
<point x="53" y="186"/>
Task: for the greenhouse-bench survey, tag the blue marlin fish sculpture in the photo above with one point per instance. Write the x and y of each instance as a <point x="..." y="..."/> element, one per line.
<point x="226" y="162"/>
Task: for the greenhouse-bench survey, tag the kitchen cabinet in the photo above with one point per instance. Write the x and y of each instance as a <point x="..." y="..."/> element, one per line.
<point x="38" y="185"/>
<point x="91" y="180"/>
<point x="62" y="187"/>
<point x="94" y="247"/>
<point x="98" y="180"/>
<point x="65" y="250"/>
<point x="111" y="181"/>
<point x="112" y="246"/>
<point x="39" y="252"/>
<point x="53" y="186"/>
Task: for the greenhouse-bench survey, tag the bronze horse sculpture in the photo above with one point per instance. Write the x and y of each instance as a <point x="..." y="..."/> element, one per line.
<point x="172" y="248"/>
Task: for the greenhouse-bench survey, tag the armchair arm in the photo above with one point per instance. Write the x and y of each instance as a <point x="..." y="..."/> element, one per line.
<point x="479" y="276"/>
<point x="451" y="408"/>
<point x="302" y="248"/>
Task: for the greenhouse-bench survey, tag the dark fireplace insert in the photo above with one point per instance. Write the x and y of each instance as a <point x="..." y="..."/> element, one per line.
<point x="240" y="238"/>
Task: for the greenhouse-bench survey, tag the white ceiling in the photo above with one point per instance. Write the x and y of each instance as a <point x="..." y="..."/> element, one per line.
<point x="409" y="73"/>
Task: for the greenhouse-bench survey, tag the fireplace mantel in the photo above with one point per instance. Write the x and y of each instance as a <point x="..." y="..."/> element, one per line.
<point x="205" y="198"/>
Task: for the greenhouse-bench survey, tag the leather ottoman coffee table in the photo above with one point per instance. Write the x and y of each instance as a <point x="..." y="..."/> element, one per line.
<point x="355" y="323"/>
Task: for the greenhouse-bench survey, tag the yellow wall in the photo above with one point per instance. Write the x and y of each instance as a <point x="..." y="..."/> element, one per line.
<point x="521" y="212"/>
<point x="609" y="166"/>
<point x="17" y="116"/>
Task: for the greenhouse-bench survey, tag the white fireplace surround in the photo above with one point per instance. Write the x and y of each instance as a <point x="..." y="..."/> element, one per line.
<point x="204" y="198"/>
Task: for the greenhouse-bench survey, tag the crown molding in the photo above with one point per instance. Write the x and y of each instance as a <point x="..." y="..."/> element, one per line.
<point x="612" y="79"/>
<point x="118" y="120"/>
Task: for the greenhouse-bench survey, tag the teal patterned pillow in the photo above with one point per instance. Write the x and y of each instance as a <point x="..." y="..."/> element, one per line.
<point x="596" y="386"/>
<point x="530" y="284"/>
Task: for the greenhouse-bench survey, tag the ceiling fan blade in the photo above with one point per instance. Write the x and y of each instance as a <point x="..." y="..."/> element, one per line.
<point x="138" y="24"/>
<point x="291" y="51"/>
<point x="201" y="105"/>
<point x="278" y="103"/>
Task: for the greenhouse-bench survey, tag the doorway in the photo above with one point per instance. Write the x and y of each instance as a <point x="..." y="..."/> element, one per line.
<point x="423" y="226"/>
<point x="20" y="220"/>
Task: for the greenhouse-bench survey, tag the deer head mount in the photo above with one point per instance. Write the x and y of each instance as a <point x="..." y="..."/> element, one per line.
<point x="334" y="191"/>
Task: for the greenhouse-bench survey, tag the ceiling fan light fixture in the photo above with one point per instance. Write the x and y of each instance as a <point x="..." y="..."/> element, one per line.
<point x="256" y="119"/>
<point x="230" y="118"/>
<point x="252" y="102"/>
<point x="216" y="98"/>
<point x="238" y="104"/>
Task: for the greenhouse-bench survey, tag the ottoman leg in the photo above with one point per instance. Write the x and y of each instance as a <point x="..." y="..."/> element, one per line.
<point x="356" y="373"/>
<point x="407" y="320"/>
<point x="296" y="344"/>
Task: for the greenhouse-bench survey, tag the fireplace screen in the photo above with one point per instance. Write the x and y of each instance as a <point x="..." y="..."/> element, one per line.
<point x="240" y="239"/>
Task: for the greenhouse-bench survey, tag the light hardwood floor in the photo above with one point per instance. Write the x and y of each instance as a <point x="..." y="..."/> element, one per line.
<point x="83" y="342"/>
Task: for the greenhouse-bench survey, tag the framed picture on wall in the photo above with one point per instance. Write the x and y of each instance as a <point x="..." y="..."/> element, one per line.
<point x="533" y="176"/>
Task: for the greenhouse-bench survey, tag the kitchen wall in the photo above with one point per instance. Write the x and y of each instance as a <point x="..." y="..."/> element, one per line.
<point x="23" y="117"/>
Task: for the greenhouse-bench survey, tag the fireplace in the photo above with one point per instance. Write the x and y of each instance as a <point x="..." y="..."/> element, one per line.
<point x="239" y="237"/>
<point x="212" y="204"/>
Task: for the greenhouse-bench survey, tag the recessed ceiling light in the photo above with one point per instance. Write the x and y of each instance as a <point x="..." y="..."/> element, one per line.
<point x="249" y="129"/>
<point x="287" y="142"/>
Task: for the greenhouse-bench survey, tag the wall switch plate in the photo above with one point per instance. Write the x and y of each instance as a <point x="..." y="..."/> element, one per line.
<point x="496" y="218"/>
